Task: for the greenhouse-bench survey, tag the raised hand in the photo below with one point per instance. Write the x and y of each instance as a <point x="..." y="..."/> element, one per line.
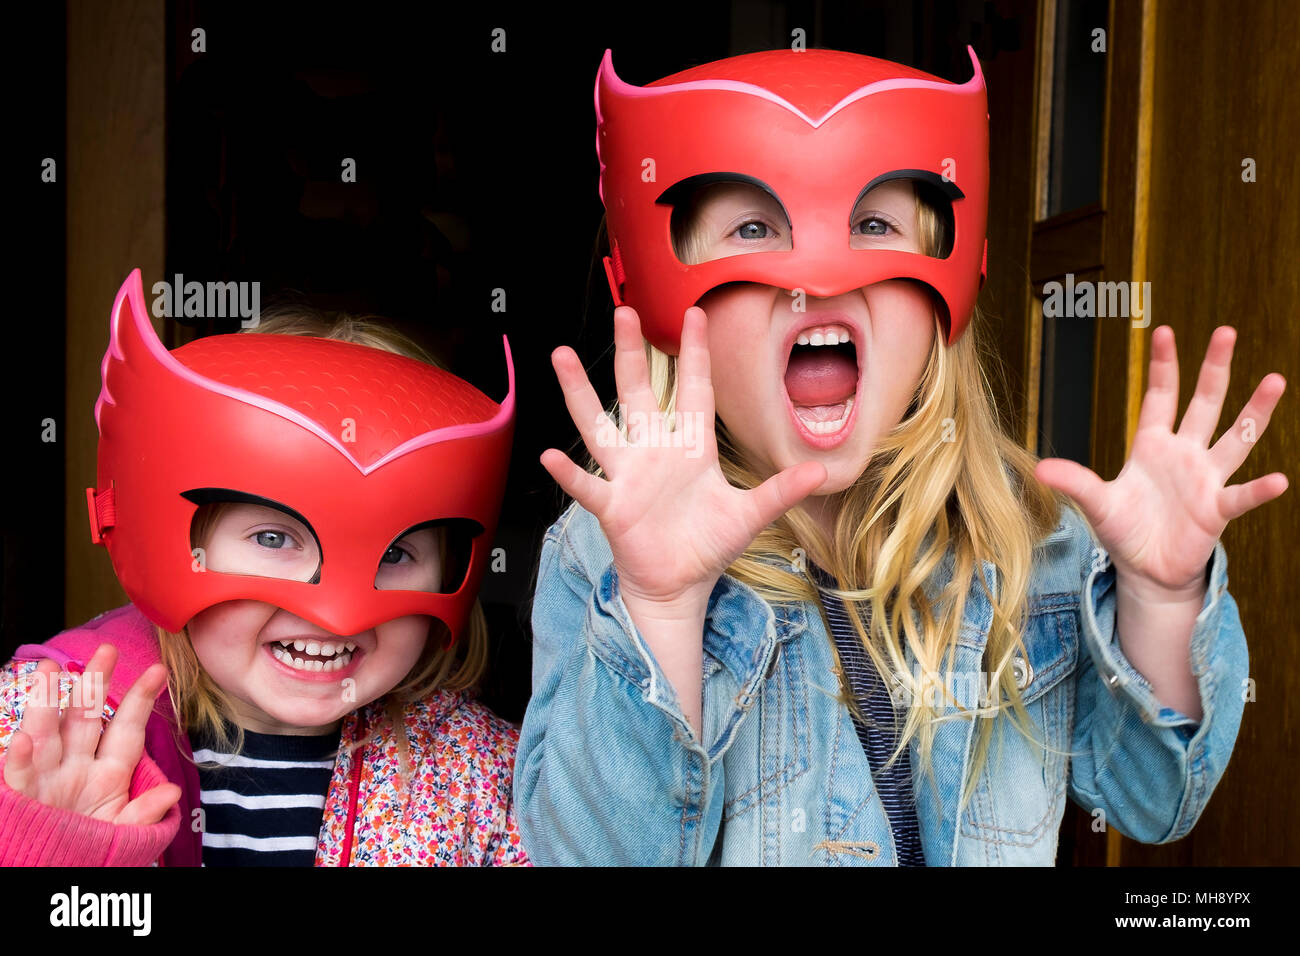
<point x="673" y="522"/>
<point x="1160" y="517"/>
<point x="64" y="761"/>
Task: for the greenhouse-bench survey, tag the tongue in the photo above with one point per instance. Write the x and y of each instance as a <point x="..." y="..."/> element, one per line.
<point x="823" y="376"/>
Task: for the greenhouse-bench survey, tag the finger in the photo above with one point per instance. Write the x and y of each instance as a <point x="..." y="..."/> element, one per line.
<point x="1236" y="500"/>
<point x="1235" y="444"/>
<point x="598" y="432"/>
<point x="83" y="719"/>
<point x="582" y="486"/>
<point x="41" y="716"/>
<point x="1202" y="415"/>
<point x="694" y="374"/>
<point x="1160" y="403"/>
<point x="19" y="772"/>
<point x="123" y="740"/>
<point x="1080" y="483"/>
<point x="631" y="371"/>
<point x="782" y="492"/>
<point x="150" y="807"/>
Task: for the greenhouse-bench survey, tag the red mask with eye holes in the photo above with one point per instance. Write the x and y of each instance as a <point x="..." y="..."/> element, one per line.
<point x="359" y="444"/>
<point x="815" y="128"/>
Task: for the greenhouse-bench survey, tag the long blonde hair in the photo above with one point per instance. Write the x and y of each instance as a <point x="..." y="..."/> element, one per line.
<point x="200" y="704"/>
<point x="946" y="478"/>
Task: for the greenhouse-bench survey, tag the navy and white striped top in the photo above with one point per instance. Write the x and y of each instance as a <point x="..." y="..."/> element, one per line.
<point x="879" y="735"/>
<point x="264" y="806"/>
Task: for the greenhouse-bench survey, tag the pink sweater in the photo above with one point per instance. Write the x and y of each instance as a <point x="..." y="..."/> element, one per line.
<point x="458" y="809"/>
<point x="32" y="834"/>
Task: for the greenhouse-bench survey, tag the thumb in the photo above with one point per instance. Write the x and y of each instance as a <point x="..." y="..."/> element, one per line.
<point x="783" y="491"/>
<point x="150" y="807"/>
<point x="1082" y="485"/>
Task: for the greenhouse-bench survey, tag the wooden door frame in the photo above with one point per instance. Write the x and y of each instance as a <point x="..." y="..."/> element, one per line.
<point x="115" y="222"/>
<point x="1110" y="236"/>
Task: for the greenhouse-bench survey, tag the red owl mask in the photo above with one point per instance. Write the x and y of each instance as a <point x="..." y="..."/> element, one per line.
<point x="816" y="129"/>
<point x="360" y="445"/>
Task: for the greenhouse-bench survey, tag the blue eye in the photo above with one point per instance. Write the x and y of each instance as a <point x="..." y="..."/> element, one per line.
<point x="747" y="230"/>
<point x="275" y="540"/>
<point x="877" y="220"/>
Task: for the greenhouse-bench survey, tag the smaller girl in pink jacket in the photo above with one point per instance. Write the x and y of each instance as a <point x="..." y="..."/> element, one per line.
<point x="301" y="522"/>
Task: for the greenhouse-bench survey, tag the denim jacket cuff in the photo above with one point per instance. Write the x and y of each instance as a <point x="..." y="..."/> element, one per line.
<point x="1121" y="677"/>
<point x="614" y="638"/>
<point x="739" y="637"/>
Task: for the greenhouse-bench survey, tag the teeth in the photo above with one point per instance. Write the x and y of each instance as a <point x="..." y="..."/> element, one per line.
<point x="830" y="427"/>
<point x="337" y="664"/>
<point x="827" y="335"/>
<point x="324" y="650"/>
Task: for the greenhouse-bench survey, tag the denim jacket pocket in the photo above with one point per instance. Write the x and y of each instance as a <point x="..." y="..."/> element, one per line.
<point x="1019" y="799"/>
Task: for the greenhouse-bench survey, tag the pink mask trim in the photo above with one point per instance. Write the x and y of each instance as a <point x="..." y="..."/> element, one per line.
<point x="607" y="76"/>
<point x="133" y="291"/>
<point x="974" y="85"/>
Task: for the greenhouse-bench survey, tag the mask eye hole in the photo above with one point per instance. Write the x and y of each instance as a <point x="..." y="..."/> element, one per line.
<point x="719" y="215"/>
<point x="887" y="214"/>
<point x="433" y="557"/>
<point x="234" y="532"/>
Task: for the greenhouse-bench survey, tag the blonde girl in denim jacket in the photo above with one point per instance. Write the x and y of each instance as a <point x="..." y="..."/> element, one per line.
<point x="796" y="244"/>
<point x="300" y="520"/>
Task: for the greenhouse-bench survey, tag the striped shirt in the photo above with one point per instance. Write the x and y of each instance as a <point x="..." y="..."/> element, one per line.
<point x="879" y="734"/>
<point x="263" y="807"/>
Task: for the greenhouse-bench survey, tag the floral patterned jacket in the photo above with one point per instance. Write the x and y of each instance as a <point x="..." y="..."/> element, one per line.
<point x="459" y="810"/>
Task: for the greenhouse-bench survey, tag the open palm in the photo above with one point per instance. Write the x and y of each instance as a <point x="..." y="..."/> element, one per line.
<point x="673" y="522"/>
<point x="1163" y="513"/>
<point x="63" y="760"/>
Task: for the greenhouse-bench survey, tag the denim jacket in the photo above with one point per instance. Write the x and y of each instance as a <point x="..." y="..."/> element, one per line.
<point x="609" y="771"/>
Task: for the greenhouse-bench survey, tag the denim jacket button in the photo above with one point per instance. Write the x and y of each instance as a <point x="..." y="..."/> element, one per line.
<point x="1023" y="670"/>
<point x="1112" y="681"/>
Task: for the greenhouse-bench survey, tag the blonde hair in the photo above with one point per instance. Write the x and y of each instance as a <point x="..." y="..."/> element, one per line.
<point x="927" y="489"/>
<point x="200" y="704"/>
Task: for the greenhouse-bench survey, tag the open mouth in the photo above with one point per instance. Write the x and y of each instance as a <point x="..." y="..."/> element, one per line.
<point x="821" y="383"/>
